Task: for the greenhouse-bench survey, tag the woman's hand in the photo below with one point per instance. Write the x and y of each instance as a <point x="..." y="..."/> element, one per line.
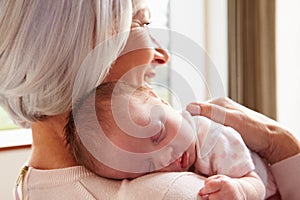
<point x="261" y="134"/>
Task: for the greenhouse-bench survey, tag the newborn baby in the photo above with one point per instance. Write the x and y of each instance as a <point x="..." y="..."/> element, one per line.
<point x="137" y="133"/>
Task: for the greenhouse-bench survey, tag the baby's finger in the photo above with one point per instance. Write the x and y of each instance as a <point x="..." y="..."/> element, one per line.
<point x="211" y="186"/>
<point x="214" y="196"/>
<point x="218" y="176"/>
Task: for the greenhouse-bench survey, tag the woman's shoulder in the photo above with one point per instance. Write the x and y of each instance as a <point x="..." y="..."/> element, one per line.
<point x="78" y="182"/>
<point x="165" y="185"/>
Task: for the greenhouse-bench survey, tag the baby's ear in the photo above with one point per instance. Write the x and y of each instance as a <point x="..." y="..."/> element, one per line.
<point x="188" y="117"/>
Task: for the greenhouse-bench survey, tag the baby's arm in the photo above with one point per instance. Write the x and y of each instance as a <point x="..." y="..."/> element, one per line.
<point x="248" y="187"/>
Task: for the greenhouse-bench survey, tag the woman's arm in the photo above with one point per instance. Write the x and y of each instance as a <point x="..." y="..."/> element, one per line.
<point x="261" y="134"/>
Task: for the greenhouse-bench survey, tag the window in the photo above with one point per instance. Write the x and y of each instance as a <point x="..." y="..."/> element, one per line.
<point x="159" y="24"/>
<point x="197" y="41"/>
<point x="5" y="121"/>
<point x="288" y="53"/>
<point x="10" y="134"/>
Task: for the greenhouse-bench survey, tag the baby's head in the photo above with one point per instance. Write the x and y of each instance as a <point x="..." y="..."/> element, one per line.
<point x="141" y="133"/>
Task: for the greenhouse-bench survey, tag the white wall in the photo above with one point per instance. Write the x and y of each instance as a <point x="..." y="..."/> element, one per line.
<point x="198" y="67"/>
<point x="217" y="38"/>
<point x="288" y="63"/>
<point x="11" y="163"/>
<point x="204" y="23"/>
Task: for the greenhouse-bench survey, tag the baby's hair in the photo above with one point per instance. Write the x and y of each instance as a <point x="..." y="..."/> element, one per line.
<point x="83" y="112"/>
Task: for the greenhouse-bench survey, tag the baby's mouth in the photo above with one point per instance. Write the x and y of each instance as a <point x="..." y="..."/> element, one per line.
<point x="183" y="161"/>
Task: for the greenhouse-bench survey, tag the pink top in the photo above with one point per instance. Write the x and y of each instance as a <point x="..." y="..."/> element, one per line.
<point x="221" y="150"/>
<point x="287" y="177"/>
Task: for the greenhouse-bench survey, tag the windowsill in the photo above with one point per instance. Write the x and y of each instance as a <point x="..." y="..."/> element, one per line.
<point x="15" y="138"/>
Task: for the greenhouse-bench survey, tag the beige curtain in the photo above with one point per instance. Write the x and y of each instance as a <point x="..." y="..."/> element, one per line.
<point x="252" y="62"/>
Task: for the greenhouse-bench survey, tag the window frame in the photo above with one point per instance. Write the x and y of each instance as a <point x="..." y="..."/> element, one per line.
<point x="15" y="138"/>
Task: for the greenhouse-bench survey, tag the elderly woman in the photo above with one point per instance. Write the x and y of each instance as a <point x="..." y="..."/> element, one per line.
<point x="52" y="53"/>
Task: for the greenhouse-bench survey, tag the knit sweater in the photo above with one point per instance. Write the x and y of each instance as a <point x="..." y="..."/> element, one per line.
<point x="78" y="183"/>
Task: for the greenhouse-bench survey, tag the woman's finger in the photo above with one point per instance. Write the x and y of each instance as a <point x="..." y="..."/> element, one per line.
<point x="219" y="114"/>
<point x="215" y="112"/>
<point x="218" y="176"/>
<point x="252" y="126"/>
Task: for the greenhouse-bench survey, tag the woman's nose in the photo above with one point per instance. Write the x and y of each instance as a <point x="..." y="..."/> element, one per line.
<point x="160" y="56"/>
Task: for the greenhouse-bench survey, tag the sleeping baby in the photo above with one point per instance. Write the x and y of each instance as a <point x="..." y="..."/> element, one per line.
<point x="121" y="131"/>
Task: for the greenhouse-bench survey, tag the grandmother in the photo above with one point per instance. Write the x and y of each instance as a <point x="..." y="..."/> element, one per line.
<point x="53" y="52"/>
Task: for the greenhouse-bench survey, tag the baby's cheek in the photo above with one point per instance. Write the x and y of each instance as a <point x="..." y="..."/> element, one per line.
<point x="139" y="116"/>
<point x="164" y="158"/>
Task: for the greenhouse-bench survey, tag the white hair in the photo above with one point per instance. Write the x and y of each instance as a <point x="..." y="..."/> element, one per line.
<point x="44" y="46"/>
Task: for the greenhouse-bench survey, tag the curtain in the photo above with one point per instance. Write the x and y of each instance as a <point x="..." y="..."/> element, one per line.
<point x="252" y="61"/>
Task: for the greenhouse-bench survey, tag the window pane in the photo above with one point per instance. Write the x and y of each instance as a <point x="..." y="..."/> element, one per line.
<point x="5" y="121"/>
<point x="288" y="53"/>
<point x="159" y="22"/>
<point x="200" y="72"/>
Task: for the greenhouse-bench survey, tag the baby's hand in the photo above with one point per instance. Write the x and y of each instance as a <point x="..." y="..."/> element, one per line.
<point x="222" y="187"/>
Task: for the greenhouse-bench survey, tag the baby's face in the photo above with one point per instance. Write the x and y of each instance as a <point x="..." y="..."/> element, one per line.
<point x="154" y="127"/>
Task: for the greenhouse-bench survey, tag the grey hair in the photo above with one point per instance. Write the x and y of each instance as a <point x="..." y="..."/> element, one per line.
<point x="47" y="47"/>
